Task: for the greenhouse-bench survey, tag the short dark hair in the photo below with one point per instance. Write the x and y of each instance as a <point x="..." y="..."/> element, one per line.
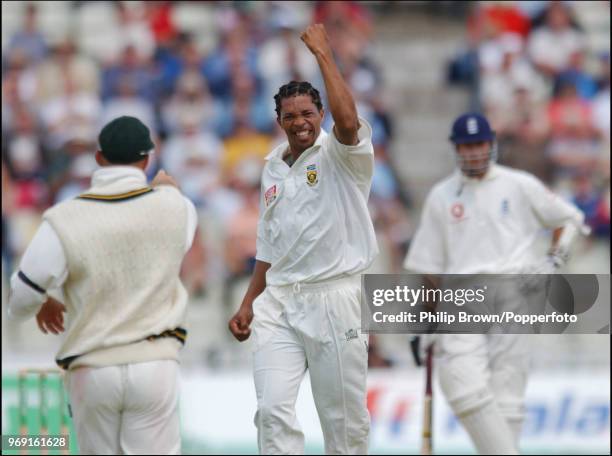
<point x="295" y="88"/>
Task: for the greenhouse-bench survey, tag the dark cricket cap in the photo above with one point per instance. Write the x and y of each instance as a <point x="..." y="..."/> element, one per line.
<point x="471" y="127"/>
<point x="125" y="140"/>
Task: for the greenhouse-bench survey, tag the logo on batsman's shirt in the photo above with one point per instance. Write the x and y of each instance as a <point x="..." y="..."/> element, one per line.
<point x="505" y="207"/>
<point x="457" y="210"/>
<point x="311" y="175"/>
<point x="270" y="195"/>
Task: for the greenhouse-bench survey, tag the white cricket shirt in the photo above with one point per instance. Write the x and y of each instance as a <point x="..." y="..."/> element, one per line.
<point x="314" y="222"/>
<point x="487" y="226"/>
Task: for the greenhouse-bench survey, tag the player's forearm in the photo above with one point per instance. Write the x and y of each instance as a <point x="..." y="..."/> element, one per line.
<point x="258" y="283"/>
<point x="556" y="235"/>
<point x="341" y="102"/>
<point x="563" y="238"/>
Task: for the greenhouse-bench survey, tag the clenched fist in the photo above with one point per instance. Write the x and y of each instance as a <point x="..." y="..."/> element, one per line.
<point x="315" y="38"/>
<point x="240" y="323"/>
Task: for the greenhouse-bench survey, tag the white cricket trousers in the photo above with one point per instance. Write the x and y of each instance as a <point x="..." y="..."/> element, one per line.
<point x="488" y="373"/>
<point x="315" y="327"/>
<point x="126" y="409"/>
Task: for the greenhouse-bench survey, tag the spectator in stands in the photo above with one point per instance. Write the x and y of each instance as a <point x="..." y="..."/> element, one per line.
<point x="175" y="59"/>
<point x="241" y="227"/>
<point x="594" y="203"/>
<point x="19" y="81"/>
<point x="161" y="23"/>
<point x="235" y="53"/>
<point x="241" y="234"/>
<point x="601" y="104"/>
<point x="282" y="56"/>
<point x="126" y="102"/>
<point x="493" y="30"/>
<point x="585" y="83"/>
<point x="498" y="18"/>
<point x="134" y="67"/>
<point x="134" y="30"/>
<point x="499" y="82"/>
<point x="193" y="157"/>
<point x="65" y="173"/>
<point x="65" y="62"/>
<point x="29" y="40"/>
<point x="245" y="141"/>
<point x="24" y="160"/>
<point x="551" y="46"/>
<point x="356" y="66"/>
<point x="71" y="113"/>
<point x="573" y="146"/>
<point x="388" y="202"/>
<point x="522" y="131"/>
<point x="191" y="99"/>
<point x="78" y="177"/>
<point x="337" y="16"/>
<point x="244" y="101"/>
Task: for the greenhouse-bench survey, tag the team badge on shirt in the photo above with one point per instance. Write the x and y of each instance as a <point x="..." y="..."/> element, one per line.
<point x="311" y="175"/>
<point x="270" y="195"/>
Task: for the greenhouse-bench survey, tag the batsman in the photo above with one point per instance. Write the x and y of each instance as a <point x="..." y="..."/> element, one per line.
<point x="485" y="219"/>
<point x="314" y="238"/>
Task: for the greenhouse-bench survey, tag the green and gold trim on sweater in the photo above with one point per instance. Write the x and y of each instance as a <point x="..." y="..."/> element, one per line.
<point x="118" y="197"/>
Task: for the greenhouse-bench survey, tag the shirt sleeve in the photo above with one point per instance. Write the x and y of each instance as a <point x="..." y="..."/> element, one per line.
<point x="264" y="248"/>
<point x="192" y="223"/>
<point x="358" y="160"/>
<point x="551" y="210"/>
<point x="427" y="253"/>
<point x="43" y="267"/>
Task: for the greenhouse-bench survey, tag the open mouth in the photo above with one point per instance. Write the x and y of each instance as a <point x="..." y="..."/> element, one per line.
<point x="303" y="135"/>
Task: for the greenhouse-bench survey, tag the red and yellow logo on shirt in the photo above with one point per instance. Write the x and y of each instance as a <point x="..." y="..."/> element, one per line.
<point x="270" y="195"/>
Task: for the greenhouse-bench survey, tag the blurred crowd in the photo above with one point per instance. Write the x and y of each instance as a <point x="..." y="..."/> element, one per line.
<point x="541" y="72"/>
<point x="202" y="76"/>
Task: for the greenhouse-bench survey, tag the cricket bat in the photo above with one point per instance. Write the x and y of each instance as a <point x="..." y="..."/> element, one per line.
<point x="426" y="438"/>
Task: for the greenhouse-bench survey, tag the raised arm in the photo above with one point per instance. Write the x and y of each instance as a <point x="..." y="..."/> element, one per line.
<point x="341" y="102"/>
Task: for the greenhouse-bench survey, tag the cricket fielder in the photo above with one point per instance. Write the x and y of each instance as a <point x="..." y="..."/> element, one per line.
<point x="314" y="238"/>
<point x="484" y="219"/>
<point x="115" y="252"/>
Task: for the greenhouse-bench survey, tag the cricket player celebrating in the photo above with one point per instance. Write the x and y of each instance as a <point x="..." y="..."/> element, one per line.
<point x="484" y="219"/>
<point x="314" y="238"/>
<point x="115" y="251"/>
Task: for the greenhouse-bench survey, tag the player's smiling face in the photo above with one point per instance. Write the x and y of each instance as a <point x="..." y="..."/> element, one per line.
<point x="474" y="158"/>
<point x="301" y="121"/>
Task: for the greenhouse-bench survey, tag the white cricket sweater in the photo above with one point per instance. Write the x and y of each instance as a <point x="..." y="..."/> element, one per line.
<point x="124" y="251"/>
